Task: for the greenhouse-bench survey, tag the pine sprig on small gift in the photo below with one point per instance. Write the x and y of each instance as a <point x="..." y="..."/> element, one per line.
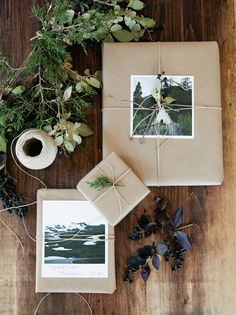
<point x="171" y="243"/>
<point x="102" y="182"/>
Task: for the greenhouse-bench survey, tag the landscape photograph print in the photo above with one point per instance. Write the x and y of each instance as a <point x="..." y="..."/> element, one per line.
<point x="74" y="233"/>
<point x="74" y="243"/>
<point x="162" y="106"/>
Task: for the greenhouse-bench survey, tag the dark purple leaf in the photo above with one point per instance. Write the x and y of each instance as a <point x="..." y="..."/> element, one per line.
<point x="184" y="240"/>
<point x="178" y="217"/>
<point x="136" y="261"/>
<point x="145" y="272"/>
<point x="145" y="251"/>
<point x="143" y="221"/>
<point x="156" y="261"/>
<point x="161" y="217"/>
<point x="152" y="226"/>
<point x="161" y="249"/>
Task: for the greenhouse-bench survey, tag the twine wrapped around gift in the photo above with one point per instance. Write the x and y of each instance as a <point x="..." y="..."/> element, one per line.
<point x="113" y="187"/>
<point x="159" y="141"/>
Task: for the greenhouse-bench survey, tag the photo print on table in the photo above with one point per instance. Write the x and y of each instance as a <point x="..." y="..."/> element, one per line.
<point x="74" y="242"/>
<point x="162" y="106"/>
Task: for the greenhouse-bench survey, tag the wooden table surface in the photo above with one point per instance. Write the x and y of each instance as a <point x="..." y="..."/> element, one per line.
<point x="207" y="284"/>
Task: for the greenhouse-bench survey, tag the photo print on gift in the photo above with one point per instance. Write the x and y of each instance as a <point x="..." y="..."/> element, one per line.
<point x="162" y="106"/>
<point x="74" y="243"/>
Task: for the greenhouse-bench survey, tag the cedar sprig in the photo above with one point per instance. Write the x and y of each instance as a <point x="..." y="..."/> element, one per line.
<point x="102" y="182"/>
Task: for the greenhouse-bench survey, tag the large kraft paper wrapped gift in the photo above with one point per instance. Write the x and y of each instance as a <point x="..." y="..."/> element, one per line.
<point x="196" y="161"/>
<point x="114" y="202"/>
<point x="72" y="284"/>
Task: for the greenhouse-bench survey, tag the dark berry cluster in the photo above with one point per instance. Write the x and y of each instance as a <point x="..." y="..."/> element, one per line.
<point x="174" y="254"/>
<point x="172" y="242"/>
<point x="8" y="195"/>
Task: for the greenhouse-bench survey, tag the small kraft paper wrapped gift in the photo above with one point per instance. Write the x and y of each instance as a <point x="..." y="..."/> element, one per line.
<point x="74" y="245"/>
<point x="162" y="111"/>
<point x="124" y="192"/>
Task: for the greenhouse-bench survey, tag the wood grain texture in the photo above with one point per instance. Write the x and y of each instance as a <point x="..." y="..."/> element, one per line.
<point x="207" y="284"/>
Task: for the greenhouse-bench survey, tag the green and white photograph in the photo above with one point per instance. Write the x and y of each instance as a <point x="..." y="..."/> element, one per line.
<point x="162" y="106"/>
<point x="74" y="238"/>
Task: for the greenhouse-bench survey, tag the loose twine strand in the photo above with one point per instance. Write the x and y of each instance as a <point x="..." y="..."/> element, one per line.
<point x="26" y="230"/>
<point x="80" y="295"/>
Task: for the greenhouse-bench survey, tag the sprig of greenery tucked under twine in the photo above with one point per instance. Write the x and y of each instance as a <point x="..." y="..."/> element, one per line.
<point x="47" y="91"/>
<point x="102" y="182"/>
<point x="170" y="241"/>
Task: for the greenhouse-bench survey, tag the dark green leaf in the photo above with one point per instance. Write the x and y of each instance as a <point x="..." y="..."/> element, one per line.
<point x="184" y="240"/>
<point x="3" y="159"/>
<point x="123" y="36"/>
<point x="18" y="90"/>
<point x="136" y="4"/>
<point x="3" y="143"/>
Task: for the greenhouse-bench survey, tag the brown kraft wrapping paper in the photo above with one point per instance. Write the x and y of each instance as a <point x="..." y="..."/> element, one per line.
<point x="195" y="161"/>
<point x="114" y="203"/>
<point x="70" y="285"/>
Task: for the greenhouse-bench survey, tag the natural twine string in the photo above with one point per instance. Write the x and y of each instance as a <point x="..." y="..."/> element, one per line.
<point x="80" y="295"/>
<point x="114" y="182"/>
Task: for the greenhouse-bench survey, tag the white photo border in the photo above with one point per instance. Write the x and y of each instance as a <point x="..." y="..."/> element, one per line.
<point x="160" y="136"/>
<point x="73" y="270"/>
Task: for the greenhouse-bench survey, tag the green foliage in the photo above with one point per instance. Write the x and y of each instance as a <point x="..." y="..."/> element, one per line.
<point x="47" y="87"/>
<point x="102" y="182"/>
<point x="67" y="134"/>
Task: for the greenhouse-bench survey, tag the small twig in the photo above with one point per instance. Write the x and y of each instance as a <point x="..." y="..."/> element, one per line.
<point x="184" y="226"/>
<point x="40" y="85"/>
<point x="103" y="2"/>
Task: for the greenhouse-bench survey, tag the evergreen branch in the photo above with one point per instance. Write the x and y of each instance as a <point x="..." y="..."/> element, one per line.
<point x="102" y="182"/>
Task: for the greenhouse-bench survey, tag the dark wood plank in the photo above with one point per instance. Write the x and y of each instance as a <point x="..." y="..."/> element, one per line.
<point x="207" y="283"/>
